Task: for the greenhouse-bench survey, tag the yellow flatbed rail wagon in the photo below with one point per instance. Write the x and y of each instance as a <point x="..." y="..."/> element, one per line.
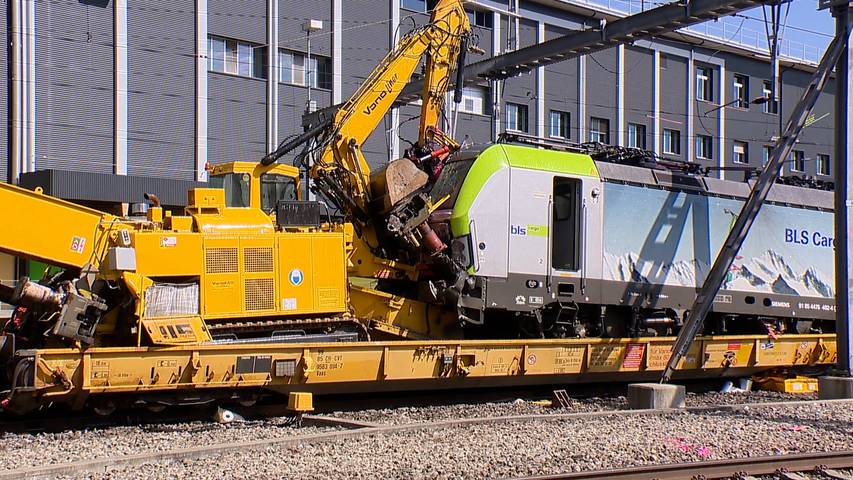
<point x="106" y="377"/>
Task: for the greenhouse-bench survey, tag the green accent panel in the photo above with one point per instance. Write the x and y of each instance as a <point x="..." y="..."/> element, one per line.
<point x="490" y="161"/>
<point x="502" y="156"/>
<point x="537" y="230"/>
<point x="555" y="161"/>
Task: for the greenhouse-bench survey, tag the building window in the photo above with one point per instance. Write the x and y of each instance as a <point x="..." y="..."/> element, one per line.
<point x="671" y="141"/>
<point x="516" y="117"/>
<point x="741" y="153"/>
<point x="741" y="91"/>
<point x="637" y="135"/>
<point x="474" y="100"/>
<point x="704" y="147"/>
<point x="823" y="167"/>
<point x="236" y="58"/>
<point x="798" y="161"/>
<point x="481" y="18"/>
<point x="771" y="106"/>
<point x="704" y="86"/>
<point x="599" y="130"/>
<point x="422" y="6"/>
<point x="298" y="69"/>
<point x="558" y="124"/>
<point x="765" y="155"/>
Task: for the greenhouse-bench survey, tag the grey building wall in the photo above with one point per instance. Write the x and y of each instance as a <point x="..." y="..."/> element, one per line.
<point x="366" y="40"/>
<point x="601" y="90"/>
<point x="817" y="138"/>
<point x="161" y="89"/>
<point x="521" y="90"/>
<point x="673" y="103"/>
<point x="292" y="98"/>
<point x="237" y="128"/>
<point x="74" y="85"/>
<point x="561" y="86"/>
<point x="639" y="100"/>
<point x="245" y="21"/>
<point x="236" y="118"/>
<point x="75" y="80"/>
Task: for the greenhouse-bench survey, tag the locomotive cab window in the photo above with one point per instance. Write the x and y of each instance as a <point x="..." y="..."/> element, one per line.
<point x="236" y="186"/>
<point x="275" y="188"/>
<point x="565" y="224"/>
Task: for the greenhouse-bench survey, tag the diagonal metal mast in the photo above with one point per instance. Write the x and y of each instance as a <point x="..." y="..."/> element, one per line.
<point x="705" y="298"/>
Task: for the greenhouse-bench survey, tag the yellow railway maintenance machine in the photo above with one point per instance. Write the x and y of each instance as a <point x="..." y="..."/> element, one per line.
<point x="236" y="298"/>
<point x="251" y="290"/>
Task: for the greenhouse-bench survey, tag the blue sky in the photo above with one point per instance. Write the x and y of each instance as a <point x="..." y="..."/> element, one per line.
<point x="803" y="15"/>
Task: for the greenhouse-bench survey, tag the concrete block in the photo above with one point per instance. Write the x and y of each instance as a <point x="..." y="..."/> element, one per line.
<point x="832" y="388"/>
<point x="655" y="396"/>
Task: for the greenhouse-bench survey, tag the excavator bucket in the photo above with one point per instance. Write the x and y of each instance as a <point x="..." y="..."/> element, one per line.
<point x="395" y="182"/>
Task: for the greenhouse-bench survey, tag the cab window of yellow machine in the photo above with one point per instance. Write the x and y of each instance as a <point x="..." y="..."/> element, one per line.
<point x="275" y="188"/>
<point x="236" y="186"/>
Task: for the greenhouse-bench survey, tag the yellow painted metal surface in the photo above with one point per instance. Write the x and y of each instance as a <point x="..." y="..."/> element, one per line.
<point x="797" y="384"/>
<point x="166" y="254"/>
<point x="384" y="365"/>
<point x="51" y="230"/>
<point x="176" y="331"/>
<point x="300" y="402"/>
<point x="402" y="317"/>
<point x="312" y="273"/>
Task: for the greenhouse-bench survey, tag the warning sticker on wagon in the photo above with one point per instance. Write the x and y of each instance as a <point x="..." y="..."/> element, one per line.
<point x="633" y="355"/>
<point x="78" y="244"/>
<point x="288" y="304"/>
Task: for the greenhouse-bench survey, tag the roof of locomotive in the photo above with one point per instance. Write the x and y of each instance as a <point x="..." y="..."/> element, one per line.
<point x="781" y="194"/>
<point x="613" y="165"/>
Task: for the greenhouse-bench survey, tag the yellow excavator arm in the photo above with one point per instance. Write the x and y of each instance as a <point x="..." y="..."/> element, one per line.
<point x="441" y="41"/>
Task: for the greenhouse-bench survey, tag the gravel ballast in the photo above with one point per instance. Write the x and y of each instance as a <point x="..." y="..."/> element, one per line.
<point x="403" y="415"/>
<point x="30" y="450"/>
<point x="535" y="448"/>
<point x="396" y="450"/>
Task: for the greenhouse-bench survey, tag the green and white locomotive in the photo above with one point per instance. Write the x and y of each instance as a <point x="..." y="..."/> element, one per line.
<point x="575" y="241"/>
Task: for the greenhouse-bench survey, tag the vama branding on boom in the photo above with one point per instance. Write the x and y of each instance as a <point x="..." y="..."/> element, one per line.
<point x="389" y="87"/>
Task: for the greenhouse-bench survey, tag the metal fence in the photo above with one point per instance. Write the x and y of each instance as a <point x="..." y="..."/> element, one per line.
<point x="727" y="30"/>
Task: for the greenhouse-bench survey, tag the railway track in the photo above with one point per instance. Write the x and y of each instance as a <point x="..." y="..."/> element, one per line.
<point x="336" y="429"/>
<point x="786" y="467"/>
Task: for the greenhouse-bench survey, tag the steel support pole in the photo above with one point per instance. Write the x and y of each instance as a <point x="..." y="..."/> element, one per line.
<point x="843" y="195"/>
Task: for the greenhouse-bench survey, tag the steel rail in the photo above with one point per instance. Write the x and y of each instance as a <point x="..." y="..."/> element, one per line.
<point x="352" y="429"/>
<point x="738" y="467"/>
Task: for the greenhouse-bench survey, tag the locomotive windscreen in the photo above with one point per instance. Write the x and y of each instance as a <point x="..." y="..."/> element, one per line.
<point x="450" y="180"/>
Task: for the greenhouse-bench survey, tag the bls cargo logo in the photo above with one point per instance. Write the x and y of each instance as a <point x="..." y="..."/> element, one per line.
<point x="528" y="230"/>
<point x="804" y="237"/>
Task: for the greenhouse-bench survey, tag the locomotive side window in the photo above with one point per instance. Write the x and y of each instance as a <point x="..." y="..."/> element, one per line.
<point x="565" y="224"/>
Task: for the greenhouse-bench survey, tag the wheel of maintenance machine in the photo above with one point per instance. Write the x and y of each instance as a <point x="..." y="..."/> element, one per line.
<point x="104" y="408"/>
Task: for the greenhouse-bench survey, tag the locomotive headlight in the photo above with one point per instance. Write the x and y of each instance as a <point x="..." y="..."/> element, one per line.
<point x="461" y="251"/>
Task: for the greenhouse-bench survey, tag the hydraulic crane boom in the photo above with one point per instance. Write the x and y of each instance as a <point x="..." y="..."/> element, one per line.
<point x="342" y="172"/>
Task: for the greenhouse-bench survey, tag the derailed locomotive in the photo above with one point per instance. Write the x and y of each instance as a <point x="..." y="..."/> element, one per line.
<point x="604" y="241"/>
